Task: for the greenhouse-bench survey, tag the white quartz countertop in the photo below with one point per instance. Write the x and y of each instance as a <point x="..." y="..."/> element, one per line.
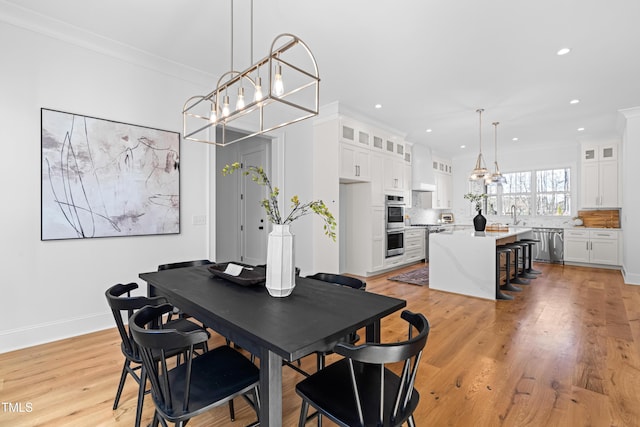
<point x="495" y="235"/>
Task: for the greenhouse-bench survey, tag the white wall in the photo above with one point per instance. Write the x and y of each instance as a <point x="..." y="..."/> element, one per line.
<point x="630" y="199"/>
<point x="55" y="289"/>
<point x="293" y="161"/>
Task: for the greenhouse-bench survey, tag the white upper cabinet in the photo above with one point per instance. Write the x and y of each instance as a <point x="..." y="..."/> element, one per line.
<point x="354" y="152"/>
<point x="596" y="153"/>
<point x="353" y="133"/>
<point x="443" y="194"/>
<point x="347" y="132"/>
<point x="599" y="176"/>
<point x="378" y="142"/>
<point x="354" y="163"/>
<point x="394" y="173"/>
<point x="364" y="138"/>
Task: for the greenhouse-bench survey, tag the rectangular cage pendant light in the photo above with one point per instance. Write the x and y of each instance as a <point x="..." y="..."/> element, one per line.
<point x="278" y="90"/>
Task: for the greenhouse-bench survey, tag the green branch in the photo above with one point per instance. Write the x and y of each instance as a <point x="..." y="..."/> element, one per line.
<point x="270" y="204"/>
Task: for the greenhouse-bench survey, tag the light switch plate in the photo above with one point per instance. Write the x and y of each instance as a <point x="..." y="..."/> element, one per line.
<point x="199" y="220"/>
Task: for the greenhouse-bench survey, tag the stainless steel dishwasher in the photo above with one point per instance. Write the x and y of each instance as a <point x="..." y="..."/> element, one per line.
<point x="551" y="245"/>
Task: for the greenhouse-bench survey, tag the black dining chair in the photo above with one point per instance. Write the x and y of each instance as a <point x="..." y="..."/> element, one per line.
<point x="123" y="304"/>
<point x="198" y="384"/>
<point x="183" y="264"/>
<point x="361" y="390"/>
<point x="342" y="280"/>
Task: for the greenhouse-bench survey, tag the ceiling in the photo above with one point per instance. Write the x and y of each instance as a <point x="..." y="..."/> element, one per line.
<point x="429" y="63"/>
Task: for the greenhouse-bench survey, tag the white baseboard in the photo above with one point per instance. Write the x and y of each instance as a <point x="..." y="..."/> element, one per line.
<point x="630" y="278"/>
<point x="16" y="339"/>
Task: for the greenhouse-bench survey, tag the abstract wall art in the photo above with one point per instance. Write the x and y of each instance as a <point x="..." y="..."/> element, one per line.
<point x="102" y="178"/>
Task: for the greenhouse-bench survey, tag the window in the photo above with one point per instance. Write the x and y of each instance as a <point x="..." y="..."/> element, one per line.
<point x="540" y="192"/>
<point x="553" y="192"/>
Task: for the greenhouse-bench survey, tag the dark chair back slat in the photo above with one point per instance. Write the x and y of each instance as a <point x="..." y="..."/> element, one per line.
<point x="340" y="279"/>
<point x="183" y="264"/>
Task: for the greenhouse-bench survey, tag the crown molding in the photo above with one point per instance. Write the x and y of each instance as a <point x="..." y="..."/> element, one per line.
<point x="630" y="113"/>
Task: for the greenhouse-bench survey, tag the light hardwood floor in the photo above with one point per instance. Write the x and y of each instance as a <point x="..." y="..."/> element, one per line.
<point x="565" y="352"/>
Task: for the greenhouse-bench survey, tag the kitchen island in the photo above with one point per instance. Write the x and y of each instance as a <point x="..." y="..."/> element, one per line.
<point x="464" y="262"/>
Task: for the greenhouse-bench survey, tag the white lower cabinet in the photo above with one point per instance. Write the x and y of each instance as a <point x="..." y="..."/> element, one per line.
<point x="592" y="246"/>
<point x="414" y="244"/>
<point x="576" y="247"/>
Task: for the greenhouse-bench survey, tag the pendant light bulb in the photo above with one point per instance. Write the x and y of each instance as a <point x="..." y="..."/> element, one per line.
<point x="278" y="85"/>
<point x="257" y="94"/>
<point x="225" y="106"/>
<point x="240" y="101"/>
<point x="496" y="177"/>
<point x="213" y="117"/>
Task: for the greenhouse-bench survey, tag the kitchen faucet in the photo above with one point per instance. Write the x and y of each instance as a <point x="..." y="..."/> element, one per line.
<point x="513" y="215"/>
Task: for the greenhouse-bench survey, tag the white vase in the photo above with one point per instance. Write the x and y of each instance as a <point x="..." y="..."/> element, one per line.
<point x="280" y="265"/>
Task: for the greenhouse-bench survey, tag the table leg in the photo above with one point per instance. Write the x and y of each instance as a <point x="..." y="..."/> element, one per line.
<point x="270" y="389"/>
<point x="373" y="331"/>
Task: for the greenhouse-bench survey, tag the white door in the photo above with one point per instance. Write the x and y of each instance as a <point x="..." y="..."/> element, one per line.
<point x="589" y="185"/>
<point x="254" y="227"/>
<point x="237" y="237"/>
<point x="609" y="184"/>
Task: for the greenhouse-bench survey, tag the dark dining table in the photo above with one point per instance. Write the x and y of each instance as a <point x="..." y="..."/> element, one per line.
<point x="273" y="329"/>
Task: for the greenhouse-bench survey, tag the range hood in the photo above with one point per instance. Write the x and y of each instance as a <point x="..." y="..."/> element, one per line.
<point x="422" y="175"/>
<point x="423" y="186"/>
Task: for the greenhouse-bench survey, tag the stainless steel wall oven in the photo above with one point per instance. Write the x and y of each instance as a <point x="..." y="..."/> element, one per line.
<point x="395" y="242"/>
<point x="394" y="216"/>
<point x="394" y="219"/>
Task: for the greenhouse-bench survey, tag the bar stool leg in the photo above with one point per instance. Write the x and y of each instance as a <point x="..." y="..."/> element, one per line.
<point x="507" y="282"/>
<point x="530" y="268"/>
<point x="517" y="278"/>
<point x="523" y="270"/>
<point x="499" y="294"/>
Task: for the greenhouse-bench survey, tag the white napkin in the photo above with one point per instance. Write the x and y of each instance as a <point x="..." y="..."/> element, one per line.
<point x="233" y="269"/>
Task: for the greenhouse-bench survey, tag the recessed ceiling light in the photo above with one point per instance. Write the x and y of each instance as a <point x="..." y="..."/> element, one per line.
<point x="378" y="106"/>
<point x="463" y="146"/>
<point x="574" y="101"/>
<point x="428" y="130"/>
<point x="580" y="129"/>
<point x="515" y="139"/>
<point x="563" y="51"/>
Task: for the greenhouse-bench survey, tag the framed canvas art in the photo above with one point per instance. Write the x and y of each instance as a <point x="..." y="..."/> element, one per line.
<point x="102" y="178"/>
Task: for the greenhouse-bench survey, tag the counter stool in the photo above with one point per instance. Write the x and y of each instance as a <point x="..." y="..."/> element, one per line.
<point x="518" y="277"/>
<point x="525" y="259"/>
<point x="503" y="249"/>
<point x="530" y="243"/>
<point x="499" y="294"/>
